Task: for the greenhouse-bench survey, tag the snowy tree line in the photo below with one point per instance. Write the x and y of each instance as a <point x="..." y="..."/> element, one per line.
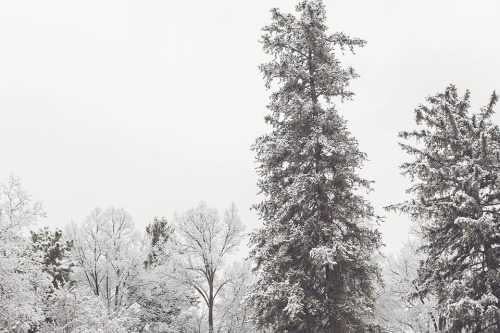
<point x="103" y="275"/>
<point x="315" y="265"/>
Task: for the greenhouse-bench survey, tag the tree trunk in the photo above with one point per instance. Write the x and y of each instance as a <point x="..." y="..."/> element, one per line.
<point x="334" y="285"/>
<point x="211" y="308"/>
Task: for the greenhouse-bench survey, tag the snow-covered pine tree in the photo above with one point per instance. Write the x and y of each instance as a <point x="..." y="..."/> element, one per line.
<point x="313" y="254"/>
<point x="55" y="253"/>
<point x="159" y="233"/>
<point x="456" y="193"/>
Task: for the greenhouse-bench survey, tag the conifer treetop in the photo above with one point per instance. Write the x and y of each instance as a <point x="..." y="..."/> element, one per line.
<point x="304" y="59"/>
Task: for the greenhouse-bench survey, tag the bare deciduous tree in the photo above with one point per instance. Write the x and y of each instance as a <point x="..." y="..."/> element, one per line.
<point x="205" y="240"/>
<point x="108" y="253"/>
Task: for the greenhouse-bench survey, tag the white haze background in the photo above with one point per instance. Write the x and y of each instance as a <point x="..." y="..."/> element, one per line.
<point x="153" y="105"/>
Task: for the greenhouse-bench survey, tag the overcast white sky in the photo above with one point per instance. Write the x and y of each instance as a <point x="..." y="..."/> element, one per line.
<point x="153" y="105"/>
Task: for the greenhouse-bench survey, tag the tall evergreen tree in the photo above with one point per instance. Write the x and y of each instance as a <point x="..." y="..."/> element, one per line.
<point x="313" y="255"/>
<point x="456" y="194"/>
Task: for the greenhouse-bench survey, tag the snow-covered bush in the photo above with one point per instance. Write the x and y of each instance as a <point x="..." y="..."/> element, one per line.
<point x="78" y="310"/>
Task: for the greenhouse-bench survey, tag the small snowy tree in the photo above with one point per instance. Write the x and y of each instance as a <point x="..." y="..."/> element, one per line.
<point x="79" y="310"/>
<point x="167" y="304"/>
<point x="204" y="242"/>
<point x="23" y="283"/>
<point x="158" y="233"/>
<point x="314" y="254"/>
<point x="456" y="193"/>
<point x="55" y="253"/>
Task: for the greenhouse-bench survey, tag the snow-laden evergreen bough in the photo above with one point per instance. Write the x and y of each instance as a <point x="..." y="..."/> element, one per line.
<point x="456" y="193"/>
<point x="313" y="256"/>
